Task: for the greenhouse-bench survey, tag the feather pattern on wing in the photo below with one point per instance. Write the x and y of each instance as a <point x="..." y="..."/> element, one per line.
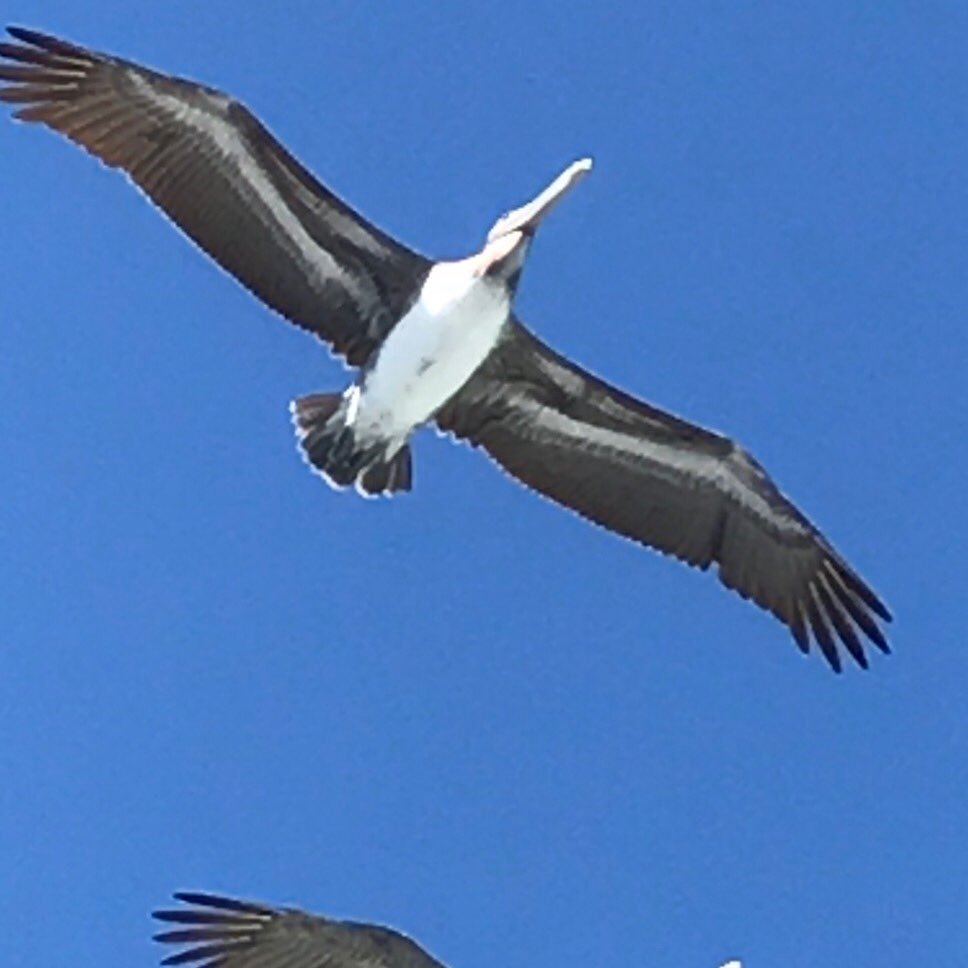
<point x="665" y="483"/>
<point x="218" y="173"/>
<point x="221" y="932"/>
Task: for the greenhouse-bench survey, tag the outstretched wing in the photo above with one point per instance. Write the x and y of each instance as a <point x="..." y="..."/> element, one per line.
<point x="665" y="483"/>
<point x="219" y="932"/>
<point x="216" y="171"/>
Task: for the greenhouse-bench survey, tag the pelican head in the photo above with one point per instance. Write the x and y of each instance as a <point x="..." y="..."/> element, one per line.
<point x="509" y="238"/>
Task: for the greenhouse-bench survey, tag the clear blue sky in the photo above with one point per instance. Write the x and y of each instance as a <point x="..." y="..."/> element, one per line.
<point x="465" y="713"/>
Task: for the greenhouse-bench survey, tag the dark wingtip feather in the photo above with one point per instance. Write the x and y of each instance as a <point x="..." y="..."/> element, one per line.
<point x="821" y="632"/>
<point x="876" y="636"/>
<point x="27" y="36"/>
<point x="211" y="954"/>
<point x="799" y="632"/>
<point x="862" y="590"/>
<point x="191" y="916"/>
<point x="873" y="601"/>
<point x="184" y="957"/>
<point x="17" y="52"/>
<point x="179" y="958"/>
<point x="882" y="610"/>
<point x="37" y="38"/>
<point x="219" y="902"/>
<point x="184" y="935"/>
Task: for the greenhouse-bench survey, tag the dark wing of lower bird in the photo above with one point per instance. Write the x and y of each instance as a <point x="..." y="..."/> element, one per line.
<point x="219" y="174"/>
<point x="665" y="483"/>
<point x="220" y="932"/>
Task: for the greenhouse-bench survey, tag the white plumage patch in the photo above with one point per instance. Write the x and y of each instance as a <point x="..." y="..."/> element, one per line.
<point x="432" y="352"/>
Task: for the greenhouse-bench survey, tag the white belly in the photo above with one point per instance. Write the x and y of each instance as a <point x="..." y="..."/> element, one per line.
<point x="432" y="352"/>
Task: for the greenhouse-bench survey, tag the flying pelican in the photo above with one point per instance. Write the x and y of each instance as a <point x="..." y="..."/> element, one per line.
<point x="220" y="932"/>
<point x="438" y="342"/>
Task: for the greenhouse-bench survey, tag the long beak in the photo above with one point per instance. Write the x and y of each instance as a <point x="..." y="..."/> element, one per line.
<point x="526" y="218"/>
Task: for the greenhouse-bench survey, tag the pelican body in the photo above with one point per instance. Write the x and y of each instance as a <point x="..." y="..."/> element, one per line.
<point x="438" y="342"/>
<point x="461" y="311"/>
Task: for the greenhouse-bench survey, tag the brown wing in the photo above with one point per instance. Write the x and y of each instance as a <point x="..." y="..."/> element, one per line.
<point x="220" y="932"/>
<point x="213" y="168"/>
<point x="658" y="480"/>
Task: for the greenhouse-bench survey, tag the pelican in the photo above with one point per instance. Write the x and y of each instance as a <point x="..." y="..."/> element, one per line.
<point x="221" y="932"/>
<point x="439" y="343"/>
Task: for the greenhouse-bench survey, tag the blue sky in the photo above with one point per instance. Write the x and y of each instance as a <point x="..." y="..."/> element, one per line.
<point x="465" y="713"/>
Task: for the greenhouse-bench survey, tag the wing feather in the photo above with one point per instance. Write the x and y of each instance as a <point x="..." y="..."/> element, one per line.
<point x="221" y="932"/>
<point x="217" y="172"/>
<point x="665" y="483"/>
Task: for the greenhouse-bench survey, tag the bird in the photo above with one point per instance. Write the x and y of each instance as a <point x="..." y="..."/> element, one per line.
<point x="222" y="932"/>
<point x="438" y="343"/>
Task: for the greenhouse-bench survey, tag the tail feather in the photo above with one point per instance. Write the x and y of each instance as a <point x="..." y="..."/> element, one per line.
<point x="329" y="444"/>
<point x="393" y="475"/>
<point x="315" y="408"/>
